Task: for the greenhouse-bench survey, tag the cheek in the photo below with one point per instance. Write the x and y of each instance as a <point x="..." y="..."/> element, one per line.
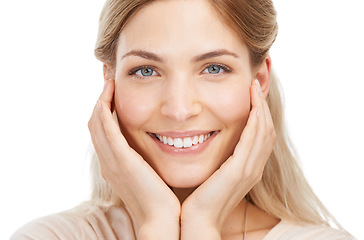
<point x="132" y="108"/>
<point x="232" y="109"/>
<point x="232" y="105"/>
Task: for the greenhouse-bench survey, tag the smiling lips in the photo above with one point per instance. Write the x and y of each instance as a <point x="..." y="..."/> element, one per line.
<point x="183" y="142"/>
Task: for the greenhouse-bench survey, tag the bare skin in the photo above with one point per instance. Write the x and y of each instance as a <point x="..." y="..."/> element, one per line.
<point x="109" y="141"/>
<point x="208" y="202"/>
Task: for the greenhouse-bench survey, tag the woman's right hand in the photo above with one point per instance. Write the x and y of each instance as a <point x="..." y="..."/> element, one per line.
<point x="155" y="207"/>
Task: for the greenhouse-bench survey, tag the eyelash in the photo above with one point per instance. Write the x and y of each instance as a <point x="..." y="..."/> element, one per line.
<point x="223" y="66"/>
<point x="133" y="71"/>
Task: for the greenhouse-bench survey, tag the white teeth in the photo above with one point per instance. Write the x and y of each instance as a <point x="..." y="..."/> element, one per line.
<point x="183" y="142"/>
<point x="187" y="142"/>
<point x="195" y="140"/>
<point x="170" y="141"/>
<point x="178" y="142"/>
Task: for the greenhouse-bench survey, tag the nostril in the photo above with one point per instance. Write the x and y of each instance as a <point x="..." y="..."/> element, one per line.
<point x="181" y="112"/>
<point x="180" y="100"/>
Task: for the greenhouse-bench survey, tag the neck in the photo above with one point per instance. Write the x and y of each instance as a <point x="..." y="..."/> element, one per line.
<point x="259" y="222"/>
<point x="234" y="224"/>
<point x="182" y="193"/>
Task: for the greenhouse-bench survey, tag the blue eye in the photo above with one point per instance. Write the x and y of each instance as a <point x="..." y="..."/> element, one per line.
<point x="216" y="69"/>
<point x="145" y="72"/>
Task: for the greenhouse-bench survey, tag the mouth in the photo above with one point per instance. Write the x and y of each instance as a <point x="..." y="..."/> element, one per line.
<point x="183" y="142"/>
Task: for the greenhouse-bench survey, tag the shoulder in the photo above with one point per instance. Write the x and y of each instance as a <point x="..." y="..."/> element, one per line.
<point x="87" y="221"/>
<point x="299" y="231"/>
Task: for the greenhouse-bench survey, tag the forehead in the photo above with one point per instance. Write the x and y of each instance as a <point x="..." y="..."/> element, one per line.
<point x="178" y="27"/>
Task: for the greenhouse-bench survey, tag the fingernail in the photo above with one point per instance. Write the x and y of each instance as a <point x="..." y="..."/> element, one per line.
<point x="259" y="89"/>
<point x="258" y="113"/>
<point x="105" y="84"/>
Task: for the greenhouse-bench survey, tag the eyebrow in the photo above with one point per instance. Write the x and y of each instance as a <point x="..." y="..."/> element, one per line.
<point x="144" y="54"/>
<point x="198" y="58"/>
<point x="213" y="54"/>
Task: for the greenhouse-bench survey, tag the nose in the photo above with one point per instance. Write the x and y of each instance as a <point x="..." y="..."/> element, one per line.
<point x="181" y="99"/>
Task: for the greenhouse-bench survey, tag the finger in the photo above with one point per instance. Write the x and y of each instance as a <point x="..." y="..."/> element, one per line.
<point x="100" y="142"/>
<point x="107" y="94"/>
<point x="250" y="131"/>
<point x="252" y="136"/>
<point x="259" y="102"/>
<point x="229" y="175"/>
<point x="130" y="164"/>
<point x="231" y="172"/>
<point x="256" y="96"/>
<point x="242" y="150"/>
<point x="262" y="104"/>
<point x="247" y="137"/>
<point x="268" y="118"/>
<point x="97" y="132"/>
<point x="263" y="142"/>
<point x="114" y="137"/>
<point x="265" y="123"/>
<point x="266" y="127"/>
<point x="96" y="128"/>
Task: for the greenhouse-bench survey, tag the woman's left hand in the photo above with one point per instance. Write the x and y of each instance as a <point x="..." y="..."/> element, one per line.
<point x="206" y="209"/>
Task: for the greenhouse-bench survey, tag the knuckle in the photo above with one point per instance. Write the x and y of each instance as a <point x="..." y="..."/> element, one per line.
<point x="102" y="117"/>
<point x="257" y="176"/>
<point x="253" y="175"/>
<point x="109" y="135"/>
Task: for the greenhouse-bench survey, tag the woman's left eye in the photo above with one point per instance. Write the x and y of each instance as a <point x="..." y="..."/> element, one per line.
<point x="146" y="72"/>
<point x="216" y="69"/>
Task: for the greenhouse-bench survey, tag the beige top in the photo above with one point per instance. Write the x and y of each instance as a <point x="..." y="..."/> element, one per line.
<point x="89" y="222"/>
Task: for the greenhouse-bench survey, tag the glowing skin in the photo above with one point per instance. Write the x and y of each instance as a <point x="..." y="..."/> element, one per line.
<point x="196" y="83"/>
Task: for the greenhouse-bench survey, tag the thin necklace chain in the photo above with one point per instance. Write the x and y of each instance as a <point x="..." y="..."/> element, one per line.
<point x="245" y="219"/>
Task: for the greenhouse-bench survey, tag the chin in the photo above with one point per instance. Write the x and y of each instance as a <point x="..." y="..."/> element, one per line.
<point x="183" y="178"/>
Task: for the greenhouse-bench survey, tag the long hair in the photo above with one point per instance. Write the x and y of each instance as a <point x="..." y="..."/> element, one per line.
<point x="283" y="191"/>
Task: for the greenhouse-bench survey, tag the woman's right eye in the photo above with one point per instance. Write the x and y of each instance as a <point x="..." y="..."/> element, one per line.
<point x="144" y="71"/>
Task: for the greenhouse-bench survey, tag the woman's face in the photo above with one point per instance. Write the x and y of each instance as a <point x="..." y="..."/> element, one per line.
<point x="182" y="89"/>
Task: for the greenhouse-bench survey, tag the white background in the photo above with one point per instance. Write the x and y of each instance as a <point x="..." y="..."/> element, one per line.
<point x="50" y="81"/>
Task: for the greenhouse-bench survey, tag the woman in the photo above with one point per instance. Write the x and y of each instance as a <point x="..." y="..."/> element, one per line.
<point x="194" y="152"/>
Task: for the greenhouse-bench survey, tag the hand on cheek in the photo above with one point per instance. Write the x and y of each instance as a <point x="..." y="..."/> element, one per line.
<point x="153" y="205"/>
<point x="210" y="204"/>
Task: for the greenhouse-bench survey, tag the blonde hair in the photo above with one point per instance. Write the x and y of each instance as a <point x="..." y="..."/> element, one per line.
<point x="283" y="191"/>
